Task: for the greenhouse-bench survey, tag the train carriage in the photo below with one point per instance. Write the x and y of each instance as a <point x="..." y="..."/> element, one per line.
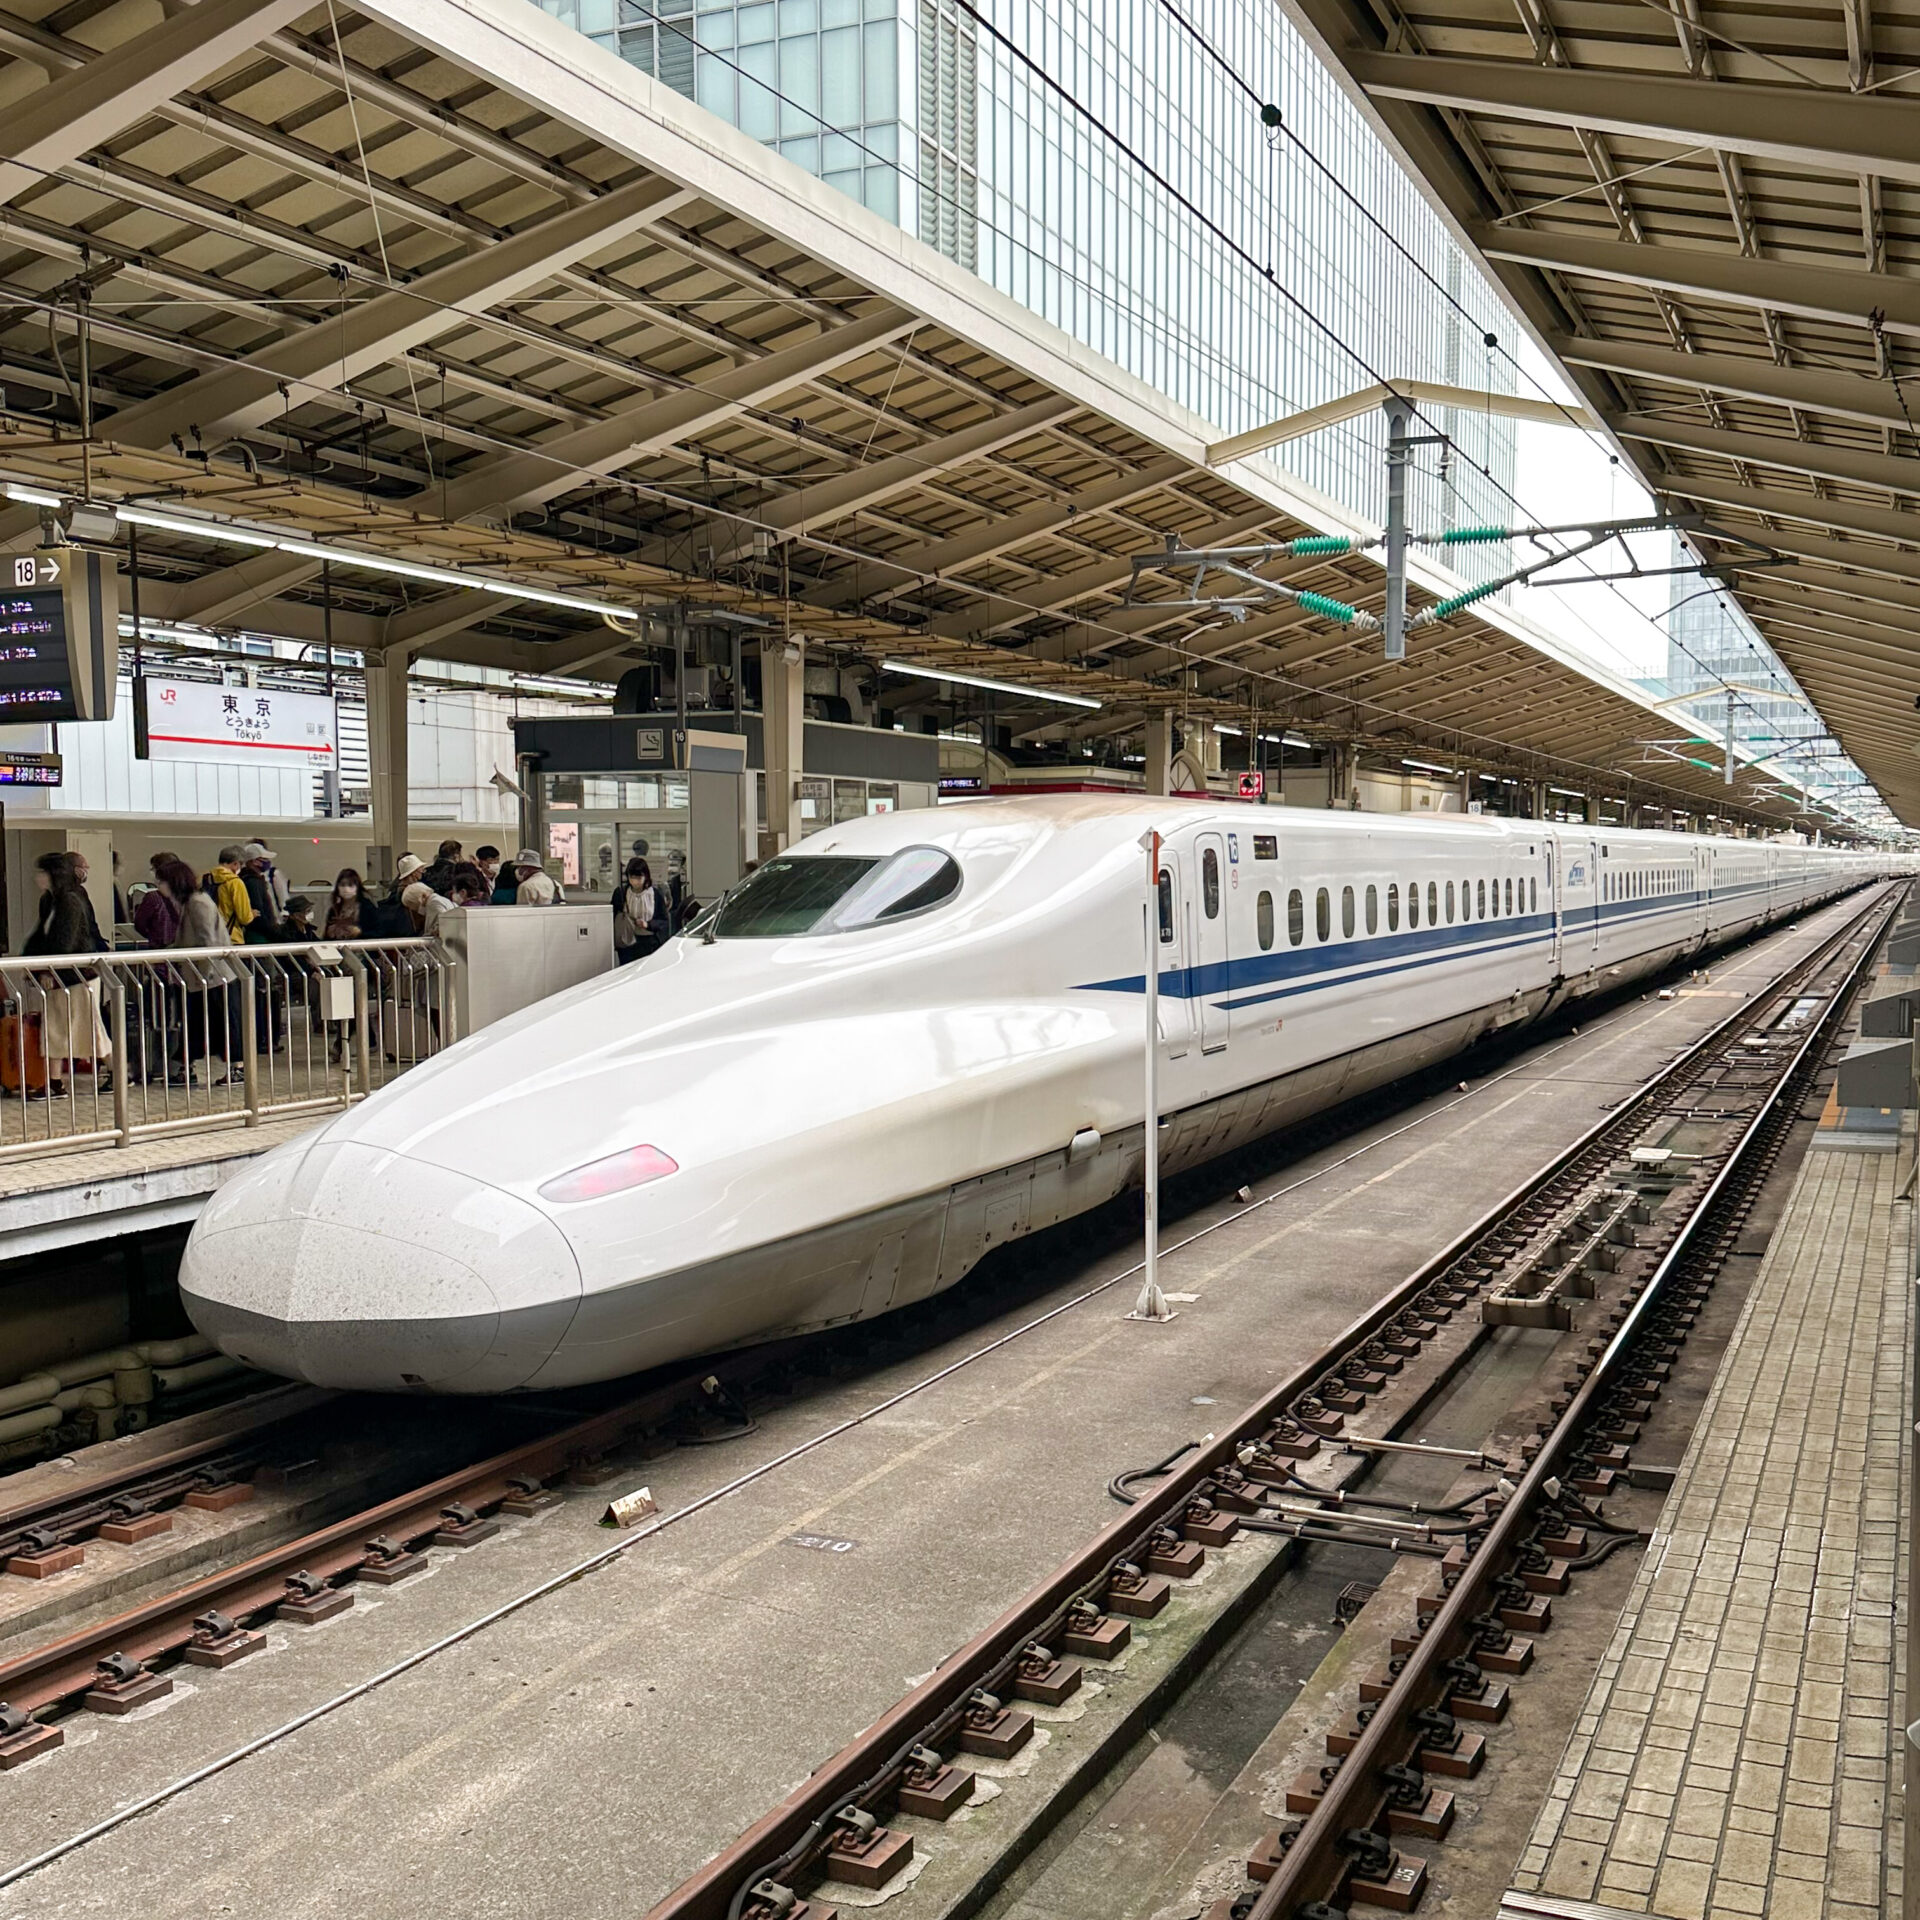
<point x="912" y="1039"/>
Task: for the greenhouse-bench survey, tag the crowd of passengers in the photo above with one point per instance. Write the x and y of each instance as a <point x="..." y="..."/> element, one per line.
<point x="244" y="900"/>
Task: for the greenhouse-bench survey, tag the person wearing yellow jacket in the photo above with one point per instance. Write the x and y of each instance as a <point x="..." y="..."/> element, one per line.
<point x="230" y="894"/>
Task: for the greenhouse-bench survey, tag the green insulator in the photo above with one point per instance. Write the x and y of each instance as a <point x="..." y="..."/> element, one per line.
<point x="1319" y="543"/>
<point x="1445" y="608"/>
<point x="1333" y="609"/>
<point x="1474" y="536"/>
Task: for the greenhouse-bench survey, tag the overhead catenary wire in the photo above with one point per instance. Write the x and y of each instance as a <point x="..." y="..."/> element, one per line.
<point x="333" y="395"/>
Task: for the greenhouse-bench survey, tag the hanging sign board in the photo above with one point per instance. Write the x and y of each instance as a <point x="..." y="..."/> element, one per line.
<point x="59" y="635"/>
<point x="29" y="769"/>
<point x="232" y="726"/>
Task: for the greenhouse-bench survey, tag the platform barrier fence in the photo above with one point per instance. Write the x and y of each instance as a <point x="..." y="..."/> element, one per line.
<point x="105" y="1049"/>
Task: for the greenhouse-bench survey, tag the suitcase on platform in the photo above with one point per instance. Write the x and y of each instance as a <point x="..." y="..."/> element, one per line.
<point x="406" y="1032"/>
<point x="20" y="1055"/>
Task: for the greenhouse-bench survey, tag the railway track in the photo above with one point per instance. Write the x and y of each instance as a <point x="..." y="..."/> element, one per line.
<point x="217" y="1620"/>
<point x="122" y="1663"/>
<point x="1615" y="1245"/>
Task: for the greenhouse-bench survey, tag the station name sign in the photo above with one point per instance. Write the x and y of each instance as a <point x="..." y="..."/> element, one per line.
<point x="59" y="636"/>
<point x="232" y="726"/>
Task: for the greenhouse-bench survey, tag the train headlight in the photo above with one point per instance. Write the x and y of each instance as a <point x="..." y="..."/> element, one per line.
<point x="633" y="1167"/>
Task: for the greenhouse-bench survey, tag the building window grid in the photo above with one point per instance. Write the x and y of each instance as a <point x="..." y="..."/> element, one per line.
<point x="996" y="172"/>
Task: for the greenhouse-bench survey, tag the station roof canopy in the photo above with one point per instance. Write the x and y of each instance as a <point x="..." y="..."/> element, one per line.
<point x="1708" y="215"/>
<point x="453" y="291"/>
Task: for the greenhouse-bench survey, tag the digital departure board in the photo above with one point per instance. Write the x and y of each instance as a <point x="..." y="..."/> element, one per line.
<point x="59" y="638"/>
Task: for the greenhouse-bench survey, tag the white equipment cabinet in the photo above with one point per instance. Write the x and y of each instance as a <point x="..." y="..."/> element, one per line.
<point x="512" y="956"/>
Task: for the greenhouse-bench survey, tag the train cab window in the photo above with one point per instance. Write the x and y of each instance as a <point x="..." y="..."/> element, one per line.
<point x="1166" y="908"/>
<point x="1323" y="916"/>
<point x="1433" y="904"/>
<point x="1263" y="919"/>
<point x="1480" y="889"/>
<point x="1346" y="913"/>
<point x="1393" y="907"/>
<point x="1373" y="909"/>
<point x="1210" y="883"/>
<point x="835" y="893"/>
<point x="1509" y="896"/>
<point x="1296" y="918"/>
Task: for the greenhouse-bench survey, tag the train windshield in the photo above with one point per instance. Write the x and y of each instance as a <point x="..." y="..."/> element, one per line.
<point x="834" y="893"/>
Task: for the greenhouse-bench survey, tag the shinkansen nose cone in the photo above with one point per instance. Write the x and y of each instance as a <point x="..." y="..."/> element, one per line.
<point x="355" y="1266"/>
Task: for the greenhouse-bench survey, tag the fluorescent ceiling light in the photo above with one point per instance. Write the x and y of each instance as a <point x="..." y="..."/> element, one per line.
<point x="1427" y="766"/>
<point x="228" y="533"/>
<point x="1232" y="733"/>
<point x="991" y="686"/>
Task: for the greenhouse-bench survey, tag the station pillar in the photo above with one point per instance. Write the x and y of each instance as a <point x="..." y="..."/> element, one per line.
<point x="387" y="759"/>
<point x="783" y="720"/>
<point x="1158" y="748"/>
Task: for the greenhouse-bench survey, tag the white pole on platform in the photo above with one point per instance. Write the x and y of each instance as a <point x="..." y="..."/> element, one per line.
<point x="1152" y="1304"/>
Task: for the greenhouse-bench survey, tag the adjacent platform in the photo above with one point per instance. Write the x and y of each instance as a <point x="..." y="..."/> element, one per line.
<point x="1739" y="1749"/>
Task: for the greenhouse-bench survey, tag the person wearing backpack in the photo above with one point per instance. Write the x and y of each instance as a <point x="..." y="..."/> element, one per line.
<point x="639" y="915"/>
<point x="228" y="892"/>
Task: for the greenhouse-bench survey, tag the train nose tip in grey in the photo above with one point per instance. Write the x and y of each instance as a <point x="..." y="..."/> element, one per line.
<point x="355" y="1267"/>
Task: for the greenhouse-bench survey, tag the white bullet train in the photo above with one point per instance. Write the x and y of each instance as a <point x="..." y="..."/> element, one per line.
<point x="916" y="1037"/>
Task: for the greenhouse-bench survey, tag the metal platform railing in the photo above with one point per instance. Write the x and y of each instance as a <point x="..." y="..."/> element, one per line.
<point x="105" y="1049"/>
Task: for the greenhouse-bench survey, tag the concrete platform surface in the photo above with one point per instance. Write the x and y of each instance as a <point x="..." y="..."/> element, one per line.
<point x="583" y="1754"/>
<point x="1739" y="1749"/>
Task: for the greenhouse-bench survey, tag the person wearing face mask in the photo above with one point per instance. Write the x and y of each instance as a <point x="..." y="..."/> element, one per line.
<point x="346" y="910"/>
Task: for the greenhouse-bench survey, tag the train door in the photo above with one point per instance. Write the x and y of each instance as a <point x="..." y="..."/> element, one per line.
<point x="1593" y="884"/>
<point x="1554" y="904"/>
<point x="1176" y="1016"/>
<point x="1210" y="943"/>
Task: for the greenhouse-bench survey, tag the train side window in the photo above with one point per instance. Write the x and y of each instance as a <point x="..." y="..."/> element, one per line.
<point x="1210" y="883"/>
<point x="1373" y="909"/>
<point x="1323" y="916"/>
<point x="1393" y="906"/>
<point x="1480" y="889"/>
<point x="1433" y="904"/>
<point x="1449" y="903"/>
<point x="1166" y="908"/>
<point x="1509" y="896"/>
<point x="1296" y="918"/>
<point x="1533" y="895"/>
<point x="1263" y="919"/>
<point x="1413" y="903"/>
<point x="1346" y="913"/>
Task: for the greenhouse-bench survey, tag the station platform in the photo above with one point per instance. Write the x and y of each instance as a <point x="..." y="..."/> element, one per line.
<point x="87" y="1194"/>
<point x="1739" y="1748"/>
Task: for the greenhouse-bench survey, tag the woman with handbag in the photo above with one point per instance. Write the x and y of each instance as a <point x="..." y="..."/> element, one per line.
<point x="71" y="1029"/>
<point x="639" y="915"/>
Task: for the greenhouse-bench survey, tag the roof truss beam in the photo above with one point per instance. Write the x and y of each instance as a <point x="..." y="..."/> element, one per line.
<point x="371" y="332"/>
<point x="1852" y="466"/>
<point x="1834" y="294"/>
<point x="85" y="108"/>
<point x="1863" y="396"/>
<point x="810" y="508"/>
<point x="651" y="422"/>
<point x="1845" y="133"/>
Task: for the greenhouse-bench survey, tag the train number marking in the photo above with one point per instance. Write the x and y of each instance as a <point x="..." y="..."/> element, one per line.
<point x="821" y="1542"/>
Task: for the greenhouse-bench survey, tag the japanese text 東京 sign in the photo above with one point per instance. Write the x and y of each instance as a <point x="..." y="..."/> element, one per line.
<point x="236" y="726"/>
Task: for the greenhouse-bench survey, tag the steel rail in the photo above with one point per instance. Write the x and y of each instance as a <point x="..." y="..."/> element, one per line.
<point x="76" y="1508"/>
<point x="862" y="1771"/>
<point x="1315" y="1864"/>
<point x="52" y="1675"/>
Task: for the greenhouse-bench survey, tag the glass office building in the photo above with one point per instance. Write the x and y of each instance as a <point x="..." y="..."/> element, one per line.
<point x="1268" y="290"/>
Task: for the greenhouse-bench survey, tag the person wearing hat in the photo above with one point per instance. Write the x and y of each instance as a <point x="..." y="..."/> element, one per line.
<point x="536" y="886"/>
<point x="257" y="876"/>
<point x="389" y="919"/>
<point x="229" y="894"/>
